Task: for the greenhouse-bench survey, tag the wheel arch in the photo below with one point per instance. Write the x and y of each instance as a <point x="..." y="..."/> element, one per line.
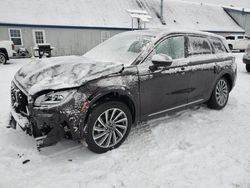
<point x="3" y="50"/>
<point x="115" y="94"/>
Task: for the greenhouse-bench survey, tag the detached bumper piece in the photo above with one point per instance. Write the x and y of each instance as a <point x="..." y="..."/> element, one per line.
<point x="51" y="137"/>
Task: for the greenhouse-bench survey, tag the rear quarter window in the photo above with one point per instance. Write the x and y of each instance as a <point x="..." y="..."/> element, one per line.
<point x="218" y="45"/>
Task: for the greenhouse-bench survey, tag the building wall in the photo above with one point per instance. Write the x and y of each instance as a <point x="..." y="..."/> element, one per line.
<point x="242" y="18"/>
<point x="67" y="41"/>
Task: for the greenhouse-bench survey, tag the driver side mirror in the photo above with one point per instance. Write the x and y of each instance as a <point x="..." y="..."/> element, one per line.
<point x="161" y="60"/>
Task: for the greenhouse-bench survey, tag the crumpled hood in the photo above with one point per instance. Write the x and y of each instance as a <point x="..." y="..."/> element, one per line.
<point x="62" y="72"/>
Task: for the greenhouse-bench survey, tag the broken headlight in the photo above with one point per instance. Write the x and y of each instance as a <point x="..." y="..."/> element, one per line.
<point x="53" y="98"/>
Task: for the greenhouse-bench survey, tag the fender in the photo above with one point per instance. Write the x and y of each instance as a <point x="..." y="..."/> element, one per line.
<point x="121" y="90"/>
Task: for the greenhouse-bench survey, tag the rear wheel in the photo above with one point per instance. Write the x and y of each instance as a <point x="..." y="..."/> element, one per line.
<point x="108" y="126"/>
<point x="220" y="95"/>
<point x="3" y="58"/>
<point x="248" y="67"/>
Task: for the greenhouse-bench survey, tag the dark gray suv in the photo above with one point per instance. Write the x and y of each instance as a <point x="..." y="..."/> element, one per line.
<point x="132" y="77"/>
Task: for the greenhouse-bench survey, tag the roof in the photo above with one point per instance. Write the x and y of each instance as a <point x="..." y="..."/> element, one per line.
<point x="114" y="14"/>
<point x="237" y="9"/>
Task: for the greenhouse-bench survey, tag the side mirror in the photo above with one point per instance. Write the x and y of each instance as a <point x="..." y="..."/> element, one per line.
<point x="161" y="60"/>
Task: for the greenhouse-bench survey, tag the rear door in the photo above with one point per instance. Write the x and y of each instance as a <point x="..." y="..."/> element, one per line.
<point x="165" y="88"/>
<point x="202" y="61"/>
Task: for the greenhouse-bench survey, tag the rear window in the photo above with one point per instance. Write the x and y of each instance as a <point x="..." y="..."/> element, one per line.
<point x="230" y="37"/>
<point x="199" y="45"/>
<point x="218" y="45"/>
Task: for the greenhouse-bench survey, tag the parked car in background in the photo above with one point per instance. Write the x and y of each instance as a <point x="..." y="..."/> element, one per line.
<point x="246" y="58"/>
<point x="130" y="78"/>
<point x="6" y="50"/>
<point x="238" y="42"/>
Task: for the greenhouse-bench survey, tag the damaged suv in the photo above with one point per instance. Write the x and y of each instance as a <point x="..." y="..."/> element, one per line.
<point x="132" y="77"/>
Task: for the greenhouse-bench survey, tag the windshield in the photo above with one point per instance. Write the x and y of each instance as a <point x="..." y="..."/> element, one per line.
<point x="123" y="48"/>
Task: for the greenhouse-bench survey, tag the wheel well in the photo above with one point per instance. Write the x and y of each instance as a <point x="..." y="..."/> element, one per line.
<point x="3" y="50"/>
<point x="229" y="80"/>
<point x="115" y="96"/>
<point x="230" y="46"/>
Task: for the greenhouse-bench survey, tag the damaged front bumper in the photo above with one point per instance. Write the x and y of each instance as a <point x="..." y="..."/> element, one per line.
<point x="47" y="125"/>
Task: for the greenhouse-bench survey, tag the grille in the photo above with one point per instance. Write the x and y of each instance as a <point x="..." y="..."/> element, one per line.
<point x="19" y="100"/>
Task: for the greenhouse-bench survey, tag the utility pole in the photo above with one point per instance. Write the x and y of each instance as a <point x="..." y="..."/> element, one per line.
<point x="161" y="14"/>
<point x="161" y="9"/>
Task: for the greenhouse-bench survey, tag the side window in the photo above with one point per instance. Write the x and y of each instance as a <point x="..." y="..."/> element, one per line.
<point x="173" y="47"/>
<point x="198" y="45"/>
<point x="240" y="37"/>
<point x="218" y="45"/>
<point x="230" y="38"/>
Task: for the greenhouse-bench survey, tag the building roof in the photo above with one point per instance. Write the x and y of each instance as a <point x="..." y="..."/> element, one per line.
<point x="237" y="9"/>
<point x="113" y="14"/>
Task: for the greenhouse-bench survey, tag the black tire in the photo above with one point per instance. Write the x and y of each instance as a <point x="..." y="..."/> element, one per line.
<point x="3" y="58"/>
<point x="99" y="111"/>
<point x="248" y="67"/>
<point x="230" y="47"/>
<point x="214" y="102"/>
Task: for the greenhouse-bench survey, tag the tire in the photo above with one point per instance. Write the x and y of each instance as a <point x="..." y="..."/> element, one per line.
<point x="248" y="67"/>
<point x="230" y="47"/>
<point x="3" y="58"/>
<point x="103" y="135"/>
<point x="220" y="95"/>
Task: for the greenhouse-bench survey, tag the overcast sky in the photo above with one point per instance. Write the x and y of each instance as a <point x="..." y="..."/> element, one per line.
<point x="236" y="3"/>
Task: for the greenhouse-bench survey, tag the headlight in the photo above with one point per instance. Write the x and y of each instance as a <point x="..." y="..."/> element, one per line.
<point x="53" y="98"/>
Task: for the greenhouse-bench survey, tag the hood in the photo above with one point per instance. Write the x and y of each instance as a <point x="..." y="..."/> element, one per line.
<point x="62" y="72"/>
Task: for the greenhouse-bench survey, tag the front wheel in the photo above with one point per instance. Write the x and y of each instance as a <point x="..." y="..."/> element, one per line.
<point x="108" y="126"/>
<point x="248" y="67"/>
<point x="219" y="97"/>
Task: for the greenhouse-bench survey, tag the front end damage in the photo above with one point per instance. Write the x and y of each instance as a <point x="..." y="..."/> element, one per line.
<point x="48" y="124"/>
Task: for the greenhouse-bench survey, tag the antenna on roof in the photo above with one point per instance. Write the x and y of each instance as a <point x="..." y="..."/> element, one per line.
<point x="141" y="16"/>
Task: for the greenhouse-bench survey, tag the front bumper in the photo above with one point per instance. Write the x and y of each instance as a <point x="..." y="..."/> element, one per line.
<point x="46" y="125"/>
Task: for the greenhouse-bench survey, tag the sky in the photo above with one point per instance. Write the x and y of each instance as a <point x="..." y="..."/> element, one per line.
<point x="236" y="3"/>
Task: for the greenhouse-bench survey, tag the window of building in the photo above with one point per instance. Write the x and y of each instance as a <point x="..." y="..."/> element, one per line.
<point x="16" y="36"/>
<point x="39" y="36"/>
<point x="218" y="45"/>
<point x="199" y="45"/>
<point x="105" y="35"/>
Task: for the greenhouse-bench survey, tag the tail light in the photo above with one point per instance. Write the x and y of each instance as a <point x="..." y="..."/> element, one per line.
<point x="13" y="46"/>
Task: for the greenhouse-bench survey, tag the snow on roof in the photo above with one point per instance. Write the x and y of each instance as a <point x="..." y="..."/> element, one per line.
<point x="245" y="10"/>
<point x="113" y="13"/>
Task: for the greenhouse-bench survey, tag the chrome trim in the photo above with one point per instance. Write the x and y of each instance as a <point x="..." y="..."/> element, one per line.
<point x="180" y="106"/>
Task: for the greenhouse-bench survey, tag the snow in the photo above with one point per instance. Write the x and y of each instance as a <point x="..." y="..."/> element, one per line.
<point x="197" y="147"/>
<point x="62" y="72"/>
<point x="91" y="13"/>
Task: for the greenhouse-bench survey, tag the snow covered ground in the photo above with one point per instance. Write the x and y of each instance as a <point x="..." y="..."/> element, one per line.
<point x="198" y="147"/>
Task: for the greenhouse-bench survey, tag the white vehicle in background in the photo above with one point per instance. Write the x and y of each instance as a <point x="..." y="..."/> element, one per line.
<point x="238" y="42"/>
<point x="6" y="50"/>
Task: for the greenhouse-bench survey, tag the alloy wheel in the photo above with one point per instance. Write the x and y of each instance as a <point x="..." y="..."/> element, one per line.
<point x="110" y="127"/>
<point x="221" y="92"/>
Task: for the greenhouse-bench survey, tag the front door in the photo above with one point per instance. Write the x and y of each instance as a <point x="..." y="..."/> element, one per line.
<point x="167" y="87"/>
